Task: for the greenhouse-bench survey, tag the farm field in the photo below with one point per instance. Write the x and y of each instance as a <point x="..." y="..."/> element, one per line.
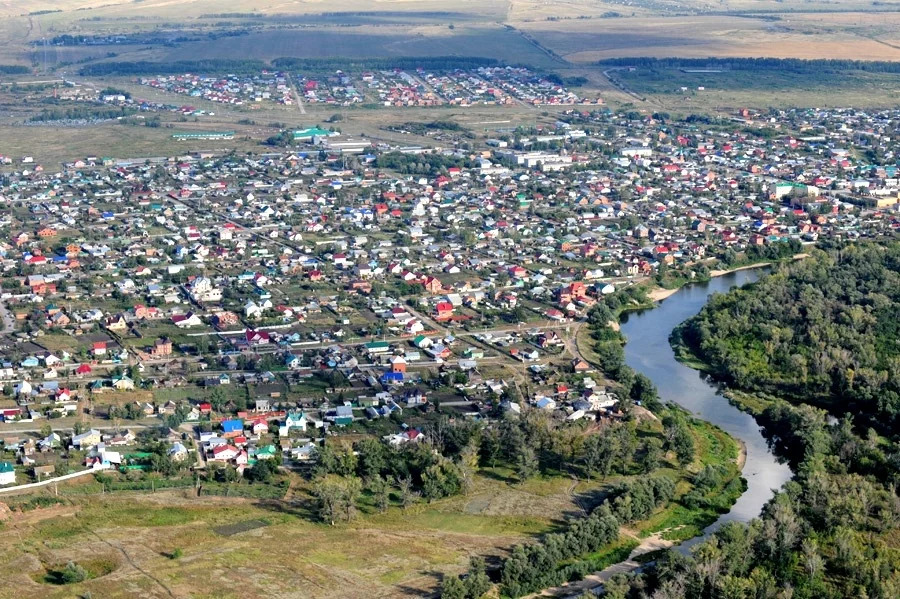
<point x="370" y="41"/>
<point x="810" y="36"/>
<point x="733" y="89"/>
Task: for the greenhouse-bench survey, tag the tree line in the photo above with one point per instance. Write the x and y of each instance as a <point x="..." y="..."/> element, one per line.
<point x="431" y="63"/>
<point x="791" y="65"/>
<point x="13" y="69"/>
<point x="145" y="67"/>
<point x="560" y="557"/>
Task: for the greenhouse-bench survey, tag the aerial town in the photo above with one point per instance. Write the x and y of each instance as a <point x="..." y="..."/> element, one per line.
<point x="244" y="307"/>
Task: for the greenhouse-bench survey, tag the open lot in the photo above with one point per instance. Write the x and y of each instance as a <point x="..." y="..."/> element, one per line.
<point x="391" y="555"/>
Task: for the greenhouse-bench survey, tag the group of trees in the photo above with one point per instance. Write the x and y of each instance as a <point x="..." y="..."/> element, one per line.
<point x="609" y="348"/>
<point x="431" y="63"/>
<point x="822" y="330"/>
<point x="419" y="164"/>
<point x="769" y="252"/>
<point x="143" y="67"/>
<point x="81" y="112"/>
<point x="791" y="65"/>
<point x="411" y="471"/>
<point x="446" y="463"/>
<point x="560" y="556"/>
<point x="14" y="69"/>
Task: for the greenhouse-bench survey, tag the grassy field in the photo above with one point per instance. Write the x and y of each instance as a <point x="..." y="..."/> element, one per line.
<point x="233" y="547"/>
<point x="391" y="555"/>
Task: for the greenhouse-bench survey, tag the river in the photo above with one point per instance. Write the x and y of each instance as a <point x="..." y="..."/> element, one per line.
<point x="648" y="351"/>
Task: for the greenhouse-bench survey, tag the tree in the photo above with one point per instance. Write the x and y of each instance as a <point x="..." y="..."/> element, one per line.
<point x="73" y="573"/>
<point x="263" y="471"/>
<point x="453" y="588"/>
<point x="526" y="463"/>
<point x="372" y="459"/>
<point x="441" y="479"/>
<point x="380" y="492"/>
<point x="653" y="455"/>
<point x="227" y="475"/>
<point x="336" y="460"/>
<point x="477" y="582"/>
<point x="336" y="497"/>
<point x="679" y="438"/>
<point x="491" y="447"/>
<point x="468" y="466"/>
<point x="408" y="495"/>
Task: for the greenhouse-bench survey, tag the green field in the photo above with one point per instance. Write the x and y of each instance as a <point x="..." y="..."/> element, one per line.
<point x="738" y="88"/>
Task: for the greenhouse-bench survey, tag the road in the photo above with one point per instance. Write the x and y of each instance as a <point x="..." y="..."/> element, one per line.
<point x="29" y="427"/>
<point x="621" y="86"/>
<point x="7" y="320"/>
<point x="296" y="94"/>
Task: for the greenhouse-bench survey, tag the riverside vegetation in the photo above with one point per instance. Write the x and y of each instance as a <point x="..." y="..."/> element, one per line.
<point x="705" y="483"/>
<point x="813" y="340"/>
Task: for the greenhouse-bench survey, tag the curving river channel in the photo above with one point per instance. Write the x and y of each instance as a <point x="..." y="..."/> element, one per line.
<point x="648" y="351"/>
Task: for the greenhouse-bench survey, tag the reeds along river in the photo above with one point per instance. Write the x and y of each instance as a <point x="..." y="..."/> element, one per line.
<point x="648" y="351"/>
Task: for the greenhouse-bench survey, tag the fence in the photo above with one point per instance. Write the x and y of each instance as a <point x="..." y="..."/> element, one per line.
<point x="51" y="481"/>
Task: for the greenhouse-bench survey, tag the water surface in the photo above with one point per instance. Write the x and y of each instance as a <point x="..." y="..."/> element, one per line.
<point x="648" y="351"/>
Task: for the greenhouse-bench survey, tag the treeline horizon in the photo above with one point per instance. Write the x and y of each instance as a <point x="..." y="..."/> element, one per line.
<point x="252" y="65"/>
<point x="794" y="65"/>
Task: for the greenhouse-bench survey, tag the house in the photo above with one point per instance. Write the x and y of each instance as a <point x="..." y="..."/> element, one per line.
<point x="162" y="347"/>
<point x="443" y="311"/>
<point x="99" y="348"/>
<point x="177" y="452"/>
<point x="305" y="452"/>
<point x="433" y="285"/>
<point x="579" y="365"/>
<point x="167" y="408"/>
<point x="225" y="453"/>
<point x="232" y="428"/>
<point x="410" y="436"/>
<point x="185" y="321"/>
<point x="343" y="415"/>
<point x="293" y="420"/>
<point x="122" y="383"/>
<point x="87" y="439"/>
<point x="267" y="452"/>
<point x="398" y="364"/>
<point x="256" y="337"/>
<point x="545" y="403"/>
<point x="7" y="473"/>
<point x="260" y="426"/>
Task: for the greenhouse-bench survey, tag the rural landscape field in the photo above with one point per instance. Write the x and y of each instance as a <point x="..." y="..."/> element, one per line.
<point x="483" y="299"/>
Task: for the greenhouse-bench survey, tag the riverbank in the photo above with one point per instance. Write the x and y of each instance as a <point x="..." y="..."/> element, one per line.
<point x="658" y="294"/>
<point x="727" y="439"/>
